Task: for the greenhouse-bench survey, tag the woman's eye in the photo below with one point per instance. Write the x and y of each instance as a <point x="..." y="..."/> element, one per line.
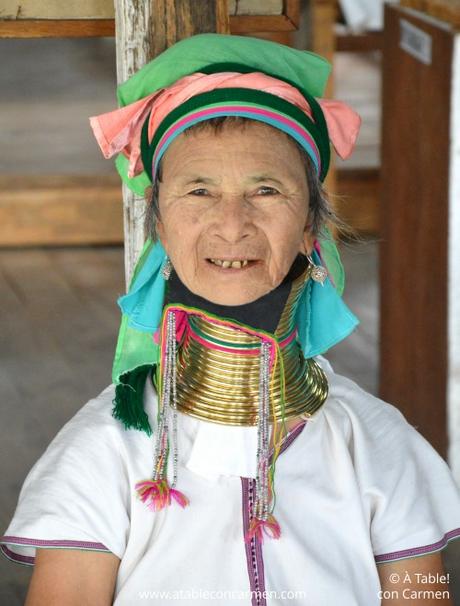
<point x="200" y="191"/>
<point x="271" y="190"/>
<point x="196" y="191"/>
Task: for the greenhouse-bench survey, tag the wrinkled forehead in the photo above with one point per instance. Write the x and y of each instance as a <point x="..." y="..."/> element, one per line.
<point x="251" y="150"/>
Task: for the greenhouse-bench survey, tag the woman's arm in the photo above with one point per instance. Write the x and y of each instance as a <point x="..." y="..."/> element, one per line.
<point x="420" y="580"/>
<point x="72" y="577"/>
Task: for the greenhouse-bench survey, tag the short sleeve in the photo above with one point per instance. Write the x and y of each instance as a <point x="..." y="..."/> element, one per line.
<point x="76" y="494"/>
<point x="415" y="502"/>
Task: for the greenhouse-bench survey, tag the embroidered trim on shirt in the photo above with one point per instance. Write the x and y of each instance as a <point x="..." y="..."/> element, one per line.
<point x="407" y="553"/>
<point x="254" y="556"/>
<point x="253" y="548"/>
<point x="30" y="560"/>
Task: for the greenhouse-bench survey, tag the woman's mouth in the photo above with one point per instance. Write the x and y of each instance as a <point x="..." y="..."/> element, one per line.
<point x="229" y="264"/>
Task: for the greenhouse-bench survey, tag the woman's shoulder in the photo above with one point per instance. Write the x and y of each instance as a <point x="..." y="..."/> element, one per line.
<point x="82" y="475"/>
<point x="97" y="414"/>
<point x="98" y="407"/>
<point x="93" y="417"/>
<point x="94" y="430"/>
<point x="92" y="433"/>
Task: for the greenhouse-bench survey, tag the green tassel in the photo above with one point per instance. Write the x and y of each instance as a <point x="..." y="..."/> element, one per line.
<point x="129" y="399"/>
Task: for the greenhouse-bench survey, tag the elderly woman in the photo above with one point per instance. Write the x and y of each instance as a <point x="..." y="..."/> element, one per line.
<point x="164" y="486"/>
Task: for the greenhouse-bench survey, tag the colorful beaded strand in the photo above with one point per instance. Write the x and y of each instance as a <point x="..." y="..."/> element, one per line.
<point x="157" y="493"/>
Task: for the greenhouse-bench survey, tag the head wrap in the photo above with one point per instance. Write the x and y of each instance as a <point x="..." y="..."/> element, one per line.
<point x="143" y="129"/>
<point x="199" y="78"/>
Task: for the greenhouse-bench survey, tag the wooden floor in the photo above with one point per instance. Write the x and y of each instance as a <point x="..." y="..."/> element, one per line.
<point x="58" y="327"/>
<point x="58" y="324"/>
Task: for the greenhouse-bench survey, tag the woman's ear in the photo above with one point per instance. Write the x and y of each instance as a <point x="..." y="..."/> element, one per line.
<point x="161" y="232"/>
<point x="306" y="246"/>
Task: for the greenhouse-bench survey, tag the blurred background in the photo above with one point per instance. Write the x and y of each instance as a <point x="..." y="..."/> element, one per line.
<point x="61" y="213"/>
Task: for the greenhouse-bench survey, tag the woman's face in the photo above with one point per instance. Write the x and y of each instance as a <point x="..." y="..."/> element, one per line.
<point x="233" y="211"/>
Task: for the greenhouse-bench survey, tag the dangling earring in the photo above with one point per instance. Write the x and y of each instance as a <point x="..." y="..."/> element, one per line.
<point x="166" y="269"/>
<point x="318" y="272"/>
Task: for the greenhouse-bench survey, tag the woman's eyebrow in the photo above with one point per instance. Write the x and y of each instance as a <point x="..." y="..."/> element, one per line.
<point x="190" y="180"/>
<point x="263" y="177"/>
<point x="194" y="179"/>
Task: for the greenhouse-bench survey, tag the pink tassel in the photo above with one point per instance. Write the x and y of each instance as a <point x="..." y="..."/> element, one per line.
<point x="258" y="527"/>
<point x="157" y="494"/>
<point x="179" y="497"/>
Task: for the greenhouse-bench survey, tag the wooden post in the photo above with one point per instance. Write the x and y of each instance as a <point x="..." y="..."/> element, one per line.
<point x="323" y="15"/>
<point x="419" y="251"/>
<point x="144" y="29"/>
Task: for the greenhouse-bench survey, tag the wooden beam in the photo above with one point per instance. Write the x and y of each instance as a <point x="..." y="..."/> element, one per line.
<point x="445" y="10"/>
<point x="359" y="43"/>
<point x="245" y="24"/>
<point x="56" y="28"/>
<point x="358" y="199"/>
<point x="94" y="28"/>
<point x="54" y="210"/>
<point x="323" y="15"/>
<point x="85" y="28"/>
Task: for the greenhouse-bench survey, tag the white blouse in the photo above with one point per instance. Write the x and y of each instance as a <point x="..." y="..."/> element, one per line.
<point x="355" y="485"/>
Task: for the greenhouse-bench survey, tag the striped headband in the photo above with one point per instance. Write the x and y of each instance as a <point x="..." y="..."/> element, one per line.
<point x="312" y="135"/>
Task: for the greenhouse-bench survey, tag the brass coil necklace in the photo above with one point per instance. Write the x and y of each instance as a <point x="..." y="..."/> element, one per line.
<point x="218" y="368"/>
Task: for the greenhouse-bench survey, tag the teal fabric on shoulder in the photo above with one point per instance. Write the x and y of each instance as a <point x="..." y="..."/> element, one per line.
<point x="323" y="319"/>
<point x="136" y="347"/>
<point x="143" y="304"/>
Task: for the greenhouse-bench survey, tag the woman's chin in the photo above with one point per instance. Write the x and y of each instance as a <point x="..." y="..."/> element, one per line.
<point x="227" y="286"/>
<point x="231" y="296"/>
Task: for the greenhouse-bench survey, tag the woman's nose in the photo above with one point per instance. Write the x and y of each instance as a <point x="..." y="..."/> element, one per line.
<point x="232" y="219"/>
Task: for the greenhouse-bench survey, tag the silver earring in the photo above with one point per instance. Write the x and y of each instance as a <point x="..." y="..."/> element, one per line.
<point x="318" y="272"/>
<point x="166" y="269"/>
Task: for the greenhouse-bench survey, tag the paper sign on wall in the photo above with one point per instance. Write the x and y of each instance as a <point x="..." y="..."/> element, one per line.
<point x="415" y="41"/>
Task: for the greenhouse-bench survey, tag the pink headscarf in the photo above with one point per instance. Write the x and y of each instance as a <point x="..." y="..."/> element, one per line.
<point x="120" y="130"/>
